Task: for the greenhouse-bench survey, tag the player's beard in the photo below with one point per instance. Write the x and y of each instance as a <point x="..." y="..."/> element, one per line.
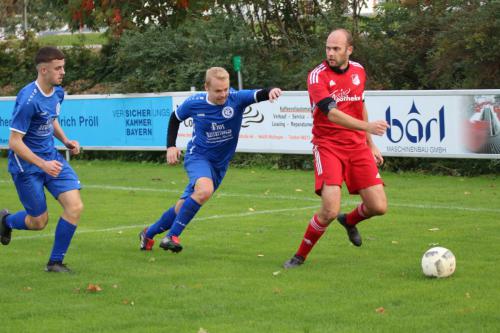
<point x="58" y="81"/>
<point x="336" y="63"/>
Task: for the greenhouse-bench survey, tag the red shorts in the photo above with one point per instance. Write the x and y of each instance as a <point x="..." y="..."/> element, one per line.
<point x="334" y="165"/>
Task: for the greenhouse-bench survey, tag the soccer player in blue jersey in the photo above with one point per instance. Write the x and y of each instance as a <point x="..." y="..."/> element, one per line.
<point x="217" y="116"/>
<point x="34" y="162"/>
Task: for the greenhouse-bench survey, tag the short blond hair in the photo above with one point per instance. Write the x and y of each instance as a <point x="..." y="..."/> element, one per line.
<point x="217" y="73"/>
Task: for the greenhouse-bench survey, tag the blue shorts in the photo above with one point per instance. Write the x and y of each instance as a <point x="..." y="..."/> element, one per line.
<point x="197" y="167"/>
<point x="30" y="186"/>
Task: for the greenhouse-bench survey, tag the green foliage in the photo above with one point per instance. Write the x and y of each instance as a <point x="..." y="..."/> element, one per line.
<point x="74" y="39"/>
<point x="18" y="56"/>
<point x="434" y="45"/>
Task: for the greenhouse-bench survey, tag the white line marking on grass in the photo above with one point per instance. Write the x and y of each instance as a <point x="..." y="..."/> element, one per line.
<point x="287" y="197"/>
<point x="213" y="217"/>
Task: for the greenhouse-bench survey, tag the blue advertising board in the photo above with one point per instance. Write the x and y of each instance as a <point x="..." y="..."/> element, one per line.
<point x="107" y="122"/>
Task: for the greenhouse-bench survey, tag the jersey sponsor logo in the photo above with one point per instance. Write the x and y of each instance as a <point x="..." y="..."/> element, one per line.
<point x="342" y="95"/>
<point x="45" y="129"/>
<point x="332" y="83"/>
<point x="218" y="133"/>
<point x="355" y="79"/>
<point x="228" y="112"/>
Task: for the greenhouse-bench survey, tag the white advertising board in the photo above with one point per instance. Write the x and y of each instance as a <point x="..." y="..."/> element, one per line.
<point x="454" y="123"/>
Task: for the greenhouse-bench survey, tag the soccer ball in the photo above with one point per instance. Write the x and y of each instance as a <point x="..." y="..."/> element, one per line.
<point x="438" y="262"/>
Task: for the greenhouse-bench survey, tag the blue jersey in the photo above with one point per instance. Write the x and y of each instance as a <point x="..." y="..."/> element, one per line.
<point x="33" y="116"/>
<point x="216" y="128"/>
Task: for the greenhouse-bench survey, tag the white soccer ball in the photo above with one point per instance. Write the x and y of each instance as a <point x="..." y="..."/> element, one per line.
<point x="438" y="262"/>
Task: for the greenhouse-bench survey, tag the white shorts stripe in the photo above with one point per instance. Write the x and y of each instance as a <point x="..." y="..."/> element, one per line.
<point x="18" y="163"/>
<point x="317" y="161"/>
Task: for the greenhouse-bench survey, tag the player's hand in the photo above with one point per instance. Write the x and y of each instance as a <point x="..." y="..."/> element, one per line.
<point x="274" y="94"/>
<point x="377" y="127"/>
<point x="173" y="155"/>
<point x="379" y="159"/>
<point x="53" y="168"/>
<point x="73" y="146"/>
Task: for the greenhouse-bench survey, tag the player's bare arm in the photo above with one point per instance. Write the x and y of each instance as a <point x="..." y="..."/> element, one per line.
<point x="173" y="154"/>
<point x="377" y="127"/>
<point x="17" y="145"/>
<point x="72" y="145"/>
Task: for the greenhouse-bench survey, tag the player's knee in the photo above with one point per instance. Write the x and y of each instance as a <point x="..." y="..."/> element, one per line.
<point x="327" y="215"/>
<point x="38" y="222"/>
<point x="203" y="194"/>
<point x="377" y="209"/>
<point x="75" y="209"/>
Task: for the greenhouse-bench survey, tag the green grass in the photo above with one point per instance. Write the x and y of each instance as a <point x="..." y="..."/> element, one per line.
<point x="72" y="39"/>
<point x="229" y="277"/>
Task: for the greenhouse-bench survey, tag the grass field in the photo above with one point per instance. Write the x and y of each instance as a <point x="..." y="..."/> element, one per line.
<point x="229" y="277"/>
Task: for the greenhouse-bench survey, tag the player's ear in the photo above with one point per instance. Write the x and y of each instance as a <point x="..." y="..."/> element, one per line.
<point x="349" y="50"/>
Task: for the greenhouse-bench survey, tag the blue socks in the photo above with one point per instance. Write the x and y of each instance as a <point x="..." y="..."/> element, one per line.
<point x="186" y="213"/>
<point x="63" y="235"/>
<point x="16" y="221"/>
<point x="164" y="223"/>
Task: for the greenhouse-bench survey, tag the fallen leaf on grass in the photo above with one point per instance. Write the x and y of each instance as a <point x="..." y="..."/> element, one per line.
<point x="433" y="229"/>
<point x="260" y="255"/>
<point x="466" y="193"/>
<point x="27" y="289"/>
<point x="380" y="310"/>
<point x="251" y="209"/>
<point x="94" y="288"/>
<point x="202" y="330"/>
<point x="128" y="302"/>
<point x="395" y="242"/>
<point x="276" y="273"/>
<point x="115" y="286"/>
<point x="298" y="190"/>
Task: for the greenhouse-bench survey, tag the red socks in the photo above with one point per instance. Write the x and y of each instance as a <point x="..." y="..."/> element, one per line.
<point x="357" y="215"/>
<point x="313" y="232"/>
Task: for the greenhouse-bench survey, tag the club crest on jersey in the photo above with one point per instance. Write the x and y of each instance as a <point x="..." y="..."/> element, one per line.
<point x="332" y="83"/>
<point x="355" y="79"/>
<point x="58" y="108"/>
<point x="228" y="112"/>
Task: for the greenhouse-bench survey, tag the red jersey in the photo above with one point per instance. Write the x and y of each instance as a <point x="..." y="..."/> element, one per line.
<point x="347" y="89"/>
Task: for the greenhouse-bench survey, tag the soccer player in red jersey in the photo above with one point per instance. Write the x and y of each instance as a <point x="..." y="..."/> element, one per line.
<point x="342" y="145"/>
